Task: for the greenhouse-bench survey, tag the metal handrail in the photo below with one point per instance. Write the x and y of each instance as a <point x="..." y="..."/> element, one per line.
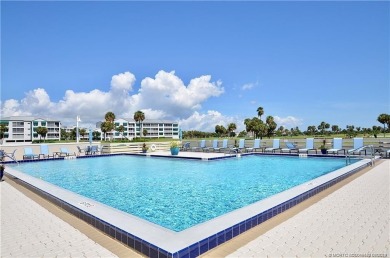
<point x="359" y="150"/>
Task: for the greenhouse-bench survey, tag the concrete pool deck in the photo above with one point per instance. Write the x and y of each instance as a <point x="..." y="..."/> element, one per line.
<point x="364" y="201"/>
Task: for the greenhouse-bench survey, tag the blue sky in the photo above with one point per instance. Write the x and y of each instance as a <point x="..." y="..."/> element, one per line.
<point x="201" y="63"/>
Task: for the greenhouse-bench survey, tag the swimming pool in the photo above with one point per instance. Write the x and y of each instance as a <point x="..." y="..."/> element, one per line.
<point x="176" y="193"/>
<point x="158" y="241"/>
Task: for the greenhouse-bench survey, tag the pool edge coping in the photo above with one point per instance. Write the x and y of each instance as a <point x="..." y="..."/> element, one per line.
<point x="196" y="237"/>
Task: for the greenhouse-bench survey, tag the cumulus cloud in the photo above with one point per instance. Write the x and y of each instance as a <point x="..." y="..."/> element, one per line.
<point x="207" y="122"/>
<point x="12" y="107"/>
<point x="288" y="121"/>
<point x="167" y="91"/>
<point x="163" y="97"/>
<point x="123" y="82"/>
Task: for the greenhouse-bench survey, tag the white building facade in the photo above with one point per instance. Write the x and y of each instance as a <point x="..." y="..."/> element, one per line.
<point x="154" y="129"/>
<point x="23" y="128"/>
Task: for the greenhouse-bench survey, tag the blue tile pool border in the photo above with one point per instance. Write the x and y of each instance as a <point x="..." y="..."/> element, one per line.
<point x="196" y="248"/>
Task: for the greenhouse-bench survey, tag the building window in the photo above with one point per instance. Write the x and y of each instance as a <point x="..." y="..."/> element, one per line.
<point x="18" y="130"/>
<point x="17" y="124"/>
<point x="35" y="123"/>
<point x="43" y="123"/>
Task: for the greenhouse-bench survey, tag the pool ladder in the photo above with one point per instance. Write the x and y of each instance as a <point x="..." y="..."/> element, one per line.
<point x="359" y="150"/>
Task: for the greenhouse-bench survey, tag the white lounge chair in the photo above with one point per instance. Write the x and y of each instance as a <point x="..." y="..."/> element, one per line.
<point x="65" y="153"/>
<point x="45" y="152"/>
<point x="275" y="146"/>
<point x="29" y="154"/>
<point x="215" y="146"/>
<point x="309" y="146"/>
<point x="256" y="145"/>
<point x="241" y="146"/>
<point x="202" y="145"/>
<point x="357" y="145"/>
<point x="337" y="146"/>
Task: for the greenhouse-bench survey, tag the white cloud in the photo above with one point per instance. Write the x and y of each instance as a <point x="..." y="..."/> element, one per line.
<point x="248" y="86"/>
<point x="288" y="121"/>
<point x="163" y="97"/>
<point x="123" y="82"/>
<point x="207" y="122"/>
<point x="12" y="107"/>
<point x="168" y="92"/>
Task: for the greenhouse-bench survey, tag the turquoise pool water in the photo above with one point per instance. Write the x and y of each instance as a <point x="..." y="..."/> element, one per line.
<point x="178" y="193"/>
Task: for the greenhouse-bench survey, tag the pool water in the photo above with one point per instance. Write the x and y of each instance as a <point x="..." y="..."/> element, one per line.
<point x="178" y="193"/>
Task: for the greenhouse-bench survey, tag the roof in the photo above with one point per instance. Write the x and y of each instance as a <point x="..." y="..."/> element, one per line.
<point x="27" y="118"/>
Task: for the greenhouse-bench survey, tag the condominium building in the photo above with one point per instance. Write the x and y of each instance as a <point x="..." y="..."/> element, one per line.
<point x="24" y="128"/>
<point x="154" y="128"/>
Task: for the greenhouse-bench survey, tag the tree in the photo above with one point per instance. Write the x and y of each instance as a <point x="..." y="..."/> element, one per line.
<point x="64" y="135"/>
<point x="231" y="127"/>
<point x="106" y="127"/>
<point x="248" y="125"/>
<point x="295" y="131"/>
<point x="144" y="132"/>
<point x="322" y="127"/>
<point x="3" y="130"/>
<point x="271" y="125"/>
<point x="72" y="134"/>
<point x="220" y="130"/>
<point x="96" y="135"/>
<point x="335" y="129"/>
<point x="350" y="131"/>
<point x="376" y="130"/>
<point x="110" y="117"/>
<point x="82" y="132"/>
<point x="279" y="131"/>
<point x="311" y="130"/>
<point x="260" y="112"/>
<point x="120" y="129"/>
<point x="258" y="127"/>
<point x="41" y="131"/>
<point x="242" y="134"/>
<point x="139" y="116"/>
<point x="384" y="119"/>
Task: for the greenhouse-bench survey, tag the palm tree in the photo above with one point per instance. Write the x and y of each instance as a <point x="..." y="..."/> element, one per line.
<point x="335" y="128"/>
<point x="120" y="129"/>
<point x="323" y="126"/>
<point x="260" y="112"/>
<point x="248" y="125"/>
<point x="139" y="116"/>
<point x="271" y="126"/>
<point x="220" y="130"/>
<point x="106" y="127"/>
<point x="311" y="130"/>
<point x="110" y="117"/>
<point x="384" y="119"/>
<point x="231" y="127"/>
